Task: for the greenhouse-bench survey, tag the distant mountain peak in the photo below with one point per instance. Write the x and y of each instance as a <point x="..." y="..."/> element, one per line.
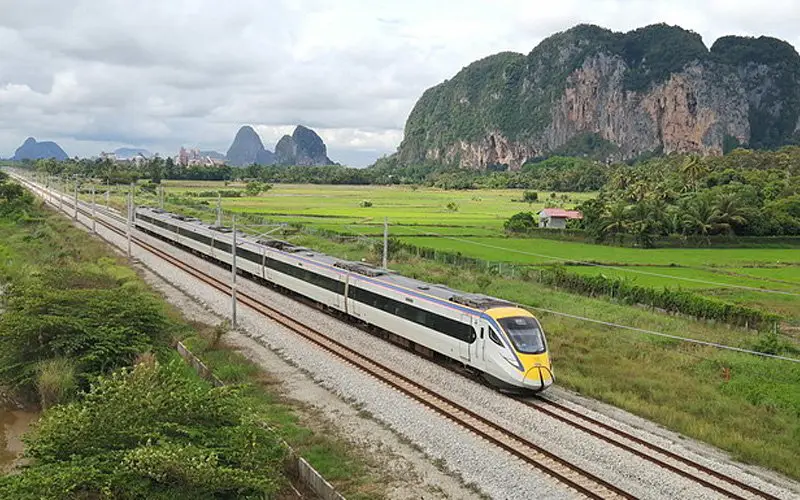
<point x="33" y="150"/>
<point x="304" y="147"/>
<point x="248" y="149"/>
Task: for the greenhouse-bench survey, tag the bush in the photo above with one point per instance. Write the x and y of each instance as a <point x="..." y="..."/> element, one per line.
<point x="530" y="197"/>
<point x="522" y="222"/>
<point x="452" y="206"/>
<point x="150" y="432"/>
<point x="365" y="204"/>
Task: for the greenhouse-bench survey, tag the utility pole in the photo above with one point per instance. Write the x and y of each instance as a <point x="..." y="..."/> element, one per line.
<point x="161" y="196"/>
<point x="130" y="218"/>
<point x="94" y="211"/>
<point x="385" y="242"/>
<point x="60" y="198"/>
<point x="233" y="274"/>
<point x="75" y="216"/>
<point x="219" y="210"/>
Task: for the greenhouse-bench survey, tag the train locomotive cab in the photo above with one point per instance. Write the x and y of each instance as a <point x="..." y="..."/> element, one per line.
<point x="515" y="350"/>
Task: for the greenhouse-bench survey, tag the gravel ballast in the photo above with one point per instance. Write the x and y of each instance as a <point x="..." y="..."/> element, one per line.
<point x="495" y="473"/>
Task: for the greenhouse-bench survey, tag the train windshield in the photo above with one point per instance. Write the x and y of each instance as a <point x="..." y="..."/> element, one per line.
<point x="525" y="333"/>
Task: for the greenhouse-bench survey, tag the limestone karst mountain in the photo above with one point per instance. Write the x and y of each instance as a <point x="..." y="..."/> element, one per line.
<point x="591" y="91"/>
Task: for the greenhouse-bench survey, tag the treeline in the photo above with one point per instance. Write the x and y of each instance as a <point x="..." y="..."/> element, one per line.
<point x="553" y="174"/>
<point x="82" y="337"/>
<point x="745" y="193"/>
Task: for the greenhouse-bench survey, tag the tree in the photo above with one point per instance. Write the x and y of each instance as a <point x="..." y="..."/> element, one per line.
<point x="522" y="222"/>
<point x="692" y="170"/>
<point x="255" y="188"/>
<point x="616" y="220"/>
<point x="699" y="217"/>
<point x="728" y="213"/>
<point x="530" y="197"/>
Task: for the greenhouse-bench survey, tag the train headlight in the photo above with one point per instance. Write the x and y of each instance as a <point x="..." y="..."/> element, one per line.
<point x="512" y="360"/>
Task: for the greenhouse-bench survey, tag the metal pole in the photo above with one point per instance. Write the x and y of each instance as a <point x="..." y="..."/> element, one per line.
<point x="385" y="242"/>
<point x="75" y="215"/>
<point x="161" y="196"/>
<point x="233" y="275"/>
<point x="94" y="211"/>
<point x="219" y="210"/>
<point x="130" y="214"/>
<point x="60" y="199"/>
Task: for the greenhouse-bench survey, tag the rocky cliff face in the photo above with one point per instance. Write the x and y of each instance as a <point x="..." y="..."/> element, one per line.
<point x="654" y="90"/>
<point x="33" y="150"/>
<point x="304" y="147"/>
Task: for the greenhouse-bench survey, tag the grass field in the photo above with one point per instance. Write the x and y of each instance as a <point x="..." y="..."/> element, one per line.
<point x="341" y="205"/>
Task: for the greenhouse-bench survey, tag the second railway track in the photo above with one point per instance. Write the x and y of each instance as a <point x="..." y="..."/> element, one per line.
<point x="565" y="472"/>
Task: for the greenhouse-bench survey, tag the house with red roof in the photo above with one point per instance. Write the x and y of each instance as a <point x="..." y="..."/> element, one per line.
<point x="557" y="217"/>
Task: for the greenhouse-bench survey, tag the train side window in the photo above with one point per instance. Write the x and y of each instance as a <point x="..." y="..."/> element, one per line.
<point x="482" y="329"/>
<point x="494" y="337"/>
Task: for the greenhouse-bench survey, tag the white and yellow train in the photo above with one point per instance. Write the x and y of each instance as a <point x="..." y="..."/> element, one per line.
<point x="503" y="342"/>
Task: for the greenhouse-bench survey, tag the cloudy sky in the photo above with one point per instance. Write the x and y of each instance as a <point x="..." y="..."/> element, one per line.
<point x="95" y="75"/>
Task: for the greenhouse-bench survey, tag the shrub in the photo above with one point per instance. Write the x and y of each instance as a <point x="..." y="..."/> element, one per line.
<point x="154" y="431"/>
<point x="452" y="206"/>
<point x="365" y="204"/>
<point x="520" y="223"/>
<point x="530" y="197"/>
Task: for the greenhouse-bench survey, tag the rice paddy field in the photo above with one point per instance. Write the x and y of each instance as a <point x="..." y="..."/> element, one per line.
<point x="471" y="223"/>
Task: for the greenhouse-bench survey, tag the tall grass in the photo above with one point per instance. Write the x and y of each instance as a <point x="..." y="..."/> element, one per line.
<point x="56" y="382"/>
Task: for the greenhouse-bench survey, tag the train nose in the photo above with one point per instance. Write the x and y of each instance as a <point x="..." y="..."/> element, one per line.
<point x="538" y="377"/>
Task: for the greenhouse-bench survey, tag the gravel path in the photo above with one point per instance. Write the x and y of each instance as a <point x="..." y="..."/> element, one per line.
<point x="497" y="474"/>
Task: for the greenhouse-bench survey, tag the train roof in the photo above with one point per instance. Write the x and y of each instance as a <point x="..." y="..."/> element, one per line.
<point x="473" y="300"/>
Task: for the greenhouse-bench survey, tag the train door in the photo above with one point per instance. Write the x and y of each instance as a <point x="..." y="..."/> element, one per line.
<point x="465" y="347"/>
<point x="478" y="352"/>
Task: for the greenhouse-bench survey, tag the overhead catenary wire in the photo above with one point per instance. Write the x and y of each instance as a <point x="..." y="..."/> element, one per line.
<point x="606" y="266"/>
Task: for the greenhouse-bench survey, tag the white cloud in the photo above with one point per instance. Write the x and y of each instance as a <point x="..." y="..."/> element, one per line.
<point x="96" y="74"/>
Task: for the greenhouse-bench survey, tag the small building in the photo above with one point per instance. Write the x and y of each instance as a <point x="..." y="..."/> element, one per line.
<point x="557" y="218"/>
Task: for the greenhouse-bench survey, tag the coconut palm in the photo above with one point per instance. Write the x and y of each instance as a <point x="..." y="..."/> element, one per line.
<point x="692" y="170"/>
<point x="729" y="213"/>
<point x="615" y="221"/>
<point x="699" y="217"/>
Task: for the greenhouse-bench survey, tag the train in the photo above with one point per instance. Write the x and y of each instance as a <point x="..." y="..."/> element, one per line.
<point x="501" y="342"/>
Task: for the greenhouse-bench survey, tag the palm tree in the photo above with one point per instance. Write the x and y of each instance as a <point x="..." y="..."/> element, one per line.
<point x="699" y="217"/>
<point x="615" y="221"/>
<point x="692" y="170"/>
<point x="728" y="213"/>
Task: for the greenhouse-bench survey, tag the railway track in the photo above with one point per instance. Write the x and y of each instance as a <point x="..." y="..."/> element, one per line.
<point x="569" y="474"/>
<point x="576" y="419"/>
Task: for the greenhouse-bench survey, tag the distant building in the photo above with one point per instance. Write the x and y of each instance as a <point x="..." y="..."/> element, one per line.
<point x="193" y="157"/>
<point x="557" y="218"/>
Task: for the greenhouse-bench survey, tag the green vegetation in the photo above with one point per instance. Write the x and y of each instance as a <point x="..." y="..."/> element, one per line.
<point x="744" y="193"/>
<point x="153" y="431"/>
<point x="83" y="337"/>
